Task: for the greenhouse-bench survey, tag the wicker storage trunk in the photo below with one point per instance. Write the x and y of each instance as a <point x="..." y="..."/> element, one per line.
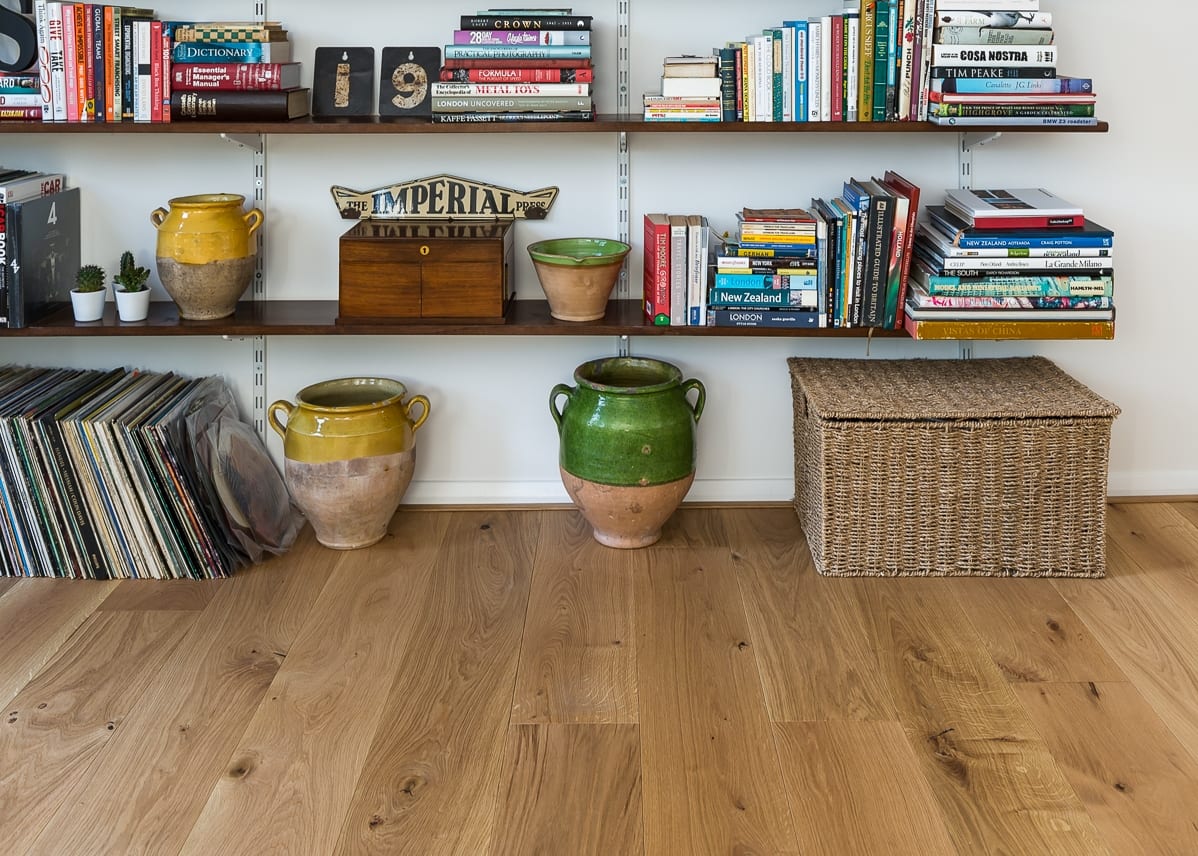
<point x="950" y="467"/>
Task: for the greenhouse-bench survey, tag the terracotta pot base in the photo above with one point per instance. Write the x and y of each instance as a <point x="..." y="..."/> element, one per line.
<point x="350" y="503"/>
<point x="626" y="517"/>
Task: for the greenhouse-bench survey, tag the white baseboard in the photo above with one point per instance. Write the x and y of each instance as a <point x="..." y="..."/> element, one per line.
<point x="1153" y="483"/>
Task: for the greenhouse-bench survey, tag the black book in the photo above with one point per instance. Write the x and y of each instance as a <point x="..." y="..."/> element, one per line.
<point x="995" y="71"/>
<point x="525" y="22"/>
<point x="245" y="105"/>
<point x="877" y="252"/>
<point x="405" y="78"/>
<point x="42" y="248"/>
<point x="343" y="82"/>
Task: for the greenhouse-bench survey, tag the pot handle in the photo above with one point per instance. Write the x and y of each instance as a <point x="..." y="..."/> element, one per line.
<point x="559" y="389"/>
<point x="157" y="216"/>
<point x="254" y="220"/>
<point x="407" y="408"/>
<point x="272" y="417"/>
<point x="693" y="383"/>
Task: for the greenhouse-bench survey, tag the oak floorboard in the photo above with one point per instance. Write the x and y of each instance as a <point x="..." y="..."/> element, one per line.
<point x="812" y="647"/>
<point x="162" y="595"/>
<point x="571" y="789"/>
<point x="838" y="773"/>
<point x="1188" y="510"/>
<point x="7" y="583"/>
<point x="36" y="617"/>
<point x="1137" y="782"/>
<point x="288" y="784"/>
<point x="1150" y="635"/>
<point x="1031" y="633"/>
<point x="150" y="782"/>
<point x="694" y="526"/>
<point x="432" y="778"/>
<point x="578" y="654"/>
<point x="996" y="782"/>
<point x="57" y="725"/>
<point x="711" y="779"/>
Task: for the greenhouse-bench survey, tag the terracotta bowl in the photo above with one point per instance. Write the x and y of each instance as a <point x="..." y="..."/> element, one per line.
<point x="578" y="274"/>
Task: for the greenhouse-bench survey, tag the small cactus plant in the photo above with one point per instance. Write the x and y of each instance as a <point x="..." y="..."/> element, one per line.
<point x="90" y="278"/>
<point x="131" y="277"/>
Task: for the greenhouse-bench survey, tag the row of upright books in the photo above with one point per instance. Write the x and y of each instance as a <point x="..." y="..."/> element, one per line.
<point x="882" y="61"/>
<point x="104" y="63"/>
<point x="1011" y="264"/>
<point x="124" y="474"/>
<point x="509" y="65"/>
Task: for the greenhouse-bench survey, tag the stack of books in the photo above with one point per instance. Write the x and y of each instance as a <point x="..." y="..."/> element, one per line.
<point x="996" y="64"/>
<point x="677" y="272"/>
<point x="526" y="65"/>
<point x="690" y="91"/>
<point x="20" y="97"/>
<point x="781" y="289"/>
<point x="237" y="71"/>
<point x="116" y="474"/>
<point x="1010" y="264"/>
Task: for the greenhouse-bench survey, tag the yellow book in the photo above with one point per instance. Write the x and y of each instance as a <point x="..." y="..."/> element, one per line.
<point x="955" y="329"/>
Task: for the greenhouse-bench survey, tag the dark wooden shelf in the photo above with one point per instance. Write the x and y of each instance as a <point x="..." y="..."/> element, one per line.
<point x="605" y="123"/>
<point x="319" y="318"/>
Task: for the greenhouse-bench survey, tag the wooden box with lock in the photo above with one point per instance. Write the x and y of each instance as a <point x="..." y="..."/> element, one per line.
<point x="426" y="270"/>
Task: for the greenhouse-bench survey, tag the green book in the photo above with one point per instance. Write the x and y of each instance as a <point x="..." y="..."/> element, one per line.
<point x="881" y="59"/>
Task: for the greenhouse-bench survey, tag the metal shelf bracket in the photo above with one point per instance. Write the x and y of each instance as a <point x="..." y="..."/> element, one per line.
<point x="971" y="139"/>
<point x="253" y="142"/>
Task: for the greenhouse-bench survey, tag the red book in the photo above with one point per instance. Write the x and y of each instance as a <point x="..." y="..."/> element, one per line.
<point x="111" y="105"/>
<point x="837" y="89"/>
<point x="657" y="269"/>
<point x="235" y="76"/>
<point x="518" y="75"/>
<point x="68" y="61"/>
<point x="559" y="62"/>
<point x="81" y="28"/>
<point x="898" y="184"/>
<point x="156" y="71"/>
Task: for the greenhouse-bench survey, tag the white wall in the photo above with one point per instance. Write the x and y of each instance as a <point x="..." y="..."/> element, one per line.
<point x="490" y="438"/>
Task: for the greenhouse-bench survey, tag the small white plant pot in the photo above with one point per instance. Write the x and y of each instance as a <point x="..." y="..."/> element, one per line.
<point x="133" y="305"/>
<point x="88" y="305"/>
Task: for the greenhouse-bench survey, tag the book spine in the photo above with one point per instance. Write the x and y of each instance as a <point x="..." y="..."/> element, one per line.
<point x="815" y="37"/>
<point x="98" y="63"/>
<point x="992" y="36"/>
<point x="185" y="31"/>
<point x="1019" y="286"/>
<point x="1039" y="267"/>
<point x="1009" y="110"/>
<point x="1000" y="330"/>
<point x="11" y="262"/>
<point x="85" y="25"/>
<point x="788" y="73"/>
<point x="995" y="72"/>
<point x="1029" y="121"/>
<point x="229" y="77"/>
<point x="530" y="116"/>
<point x="1030" y="221"/>
<point x="802" y="71"/>
<point x="776" y="76"/>
<point x="224" y="52"/>
<point x="41" y="22"/>
<point x="656" y="285"/>
<point x="747" y="91"/>
<point x="517" y="52"/>
<point x="865" y="61"/>
<point x="163" y="54"/>
<point x="837" y="55"/>
<point x="69" y="66"/>
<point x="727" y="83"/>
<point x="33" y="111"/>
<point x="696" y="272"/>
<point x="509" y="89"/>
<point x="881" y="51"/>
<point x="143" y="56"/>
<point x="892" y="54"/>
<point x="128" y="70"/>
<point x="79" y="22"/>
<point x="525" y="22"/>
<point x="450" y="63"/>
<point x="548" y="103"/>
<point x="877" y="256"/>
<point x="24" y="99"/>
<point x="1014" y="86"/>
<point x="41" y="184"/>
<point x="899" y="246"/>
<point x="852" y="82"/>
<point x="777" y="318"/>
<point x="521" y="37"/>
<point x="518" y="75"/>
<point x="761" y="298"/>
<point x="825" y="69"/>
<point x="906" y="64"/>
<point x="1034" y="20"/>
<point x="678" y="258"/>
<point x="4" y="295"/>
<point x="155" y="46"/>
<point x="215" y="104"/>
<point x="1040" y="56"/>
<point x="765" y="281"/>
<point x="965" y="301"/>
<point x="112" y="47"/>
<point x="57" y="51"/>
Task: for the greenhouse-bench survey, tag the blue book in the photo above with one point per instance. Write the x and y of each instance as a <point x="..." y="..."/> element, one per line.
<point x="961" y="234"/>
<point x="795" y="297"/>
<point x="1014" y="85"/>
<point x="741" y="281"/>
<point x="800" y="66"/>
<point x="223" y="52"/>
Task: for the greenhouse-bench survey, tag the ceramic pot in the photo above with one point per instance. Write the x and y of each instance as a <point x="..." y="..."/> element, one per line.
<point x="349" y="449"/>
<point x="627" y="445"/>
<point x="88" y="305"/>
<point x="133" y="305"/>
<point x="578" y="274"/>
<point x="206" y="252"/>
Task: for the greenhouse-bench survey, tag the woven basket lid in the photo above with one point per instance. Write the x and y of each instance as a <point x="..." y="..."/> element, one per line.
<point x="1007" y="388"/>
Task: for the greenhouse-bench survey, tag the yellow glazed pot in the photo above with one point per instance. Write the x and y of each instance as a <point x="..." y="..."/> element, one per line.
<point x="205" y="252"/>
<point x="349" y="448"/>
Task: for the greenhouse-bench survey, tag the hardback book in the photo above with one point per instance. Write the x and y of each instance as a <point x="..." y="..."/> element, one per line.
<point x="228" y="31"/>
<point x="526" y="52"/>
<point x="763" y="298"/>
<point x="1012" y="208"/>
<point x="1034" y="121"/>
<point x="1019" y="286"/>
<point x="690" y="66"/>
<point x="522" y="116"/>
<point x="970" y="18"/>
<point x="30" y="186"/>
<point x="343" y="81"/>
<point x="521" y="37"/>
<point x="902" y="187"/>
<point x="969" y="5"/>
<point x="245" y="105"/>
<point x="993" y="72"/>
<point x="562" y="62"/>
<point x="796" y="319"/>
<point x="41" y="255"/>
<point x="920" y="297"/>
<point x="539" y="103"/>
<point x="961" y="234"/>
<point x="470" y="90"/>
<point x="698" y="244"/>
<point x="213" y="52"/>
<point x="682" y="87"/>
<point x="1013" y="329"/>
<point x="1014" y="85"/>
<point x="1002" y="112"/>
<point x="405" y="78"/>
<point x="528" y="19"/>
<point x="18" y="84"/>
<point x="678" y="266"/>
<point x="1037" y="56"/>
<point x="937" y="97"/>
<point x="964" y="35"/>
<point x="765" y="281"/>
<point x="234" y="76"/>
<point x="777" y="215"/>
<point x="656" y="281"/>
<point x="944" y="313"/>
<point x="518" y="75"/>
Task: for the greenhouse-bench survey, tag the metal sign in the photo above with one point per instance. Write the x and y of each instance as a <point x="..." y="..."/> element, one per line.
<point x="443" y="197"/>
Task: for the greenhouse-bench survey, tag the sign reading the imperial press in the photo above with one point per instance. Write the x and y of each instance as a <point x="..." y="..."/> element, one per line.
<point x="445" y="197"/>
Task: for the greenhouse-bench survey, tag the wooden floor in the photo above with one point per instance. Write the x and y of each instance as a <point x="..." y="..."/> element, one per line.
<point x="495" y="682"/>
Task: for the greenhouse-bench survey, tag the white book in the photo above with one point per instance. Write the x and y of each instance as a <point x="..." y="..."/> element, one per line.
<point x="678" y="269"/>
<point x="852" y="79"/>
<point x="825" y="70"/>
<point x="681" y="87"/>
<point x="907" y="74"/>
<point x="143" y="68"/>
<point x="58" y="77"/>
<point x="815" y="38"/>
<point x="955" y="263"/>
<point x="973" y="5"/>
<point x="1035" y="20"/>
<point x="1004" y="202"/>
<point x="697" y="243"/>
<point x="788" y="74"/>
<point x="1035" y="56"/>
<point x="763" y="79"/>
<point x="41" y="21"/>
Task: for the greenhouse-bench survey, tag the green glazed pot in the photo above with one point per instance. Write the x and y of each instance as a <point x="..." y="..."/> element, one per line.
<point x="627" y="422"/>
